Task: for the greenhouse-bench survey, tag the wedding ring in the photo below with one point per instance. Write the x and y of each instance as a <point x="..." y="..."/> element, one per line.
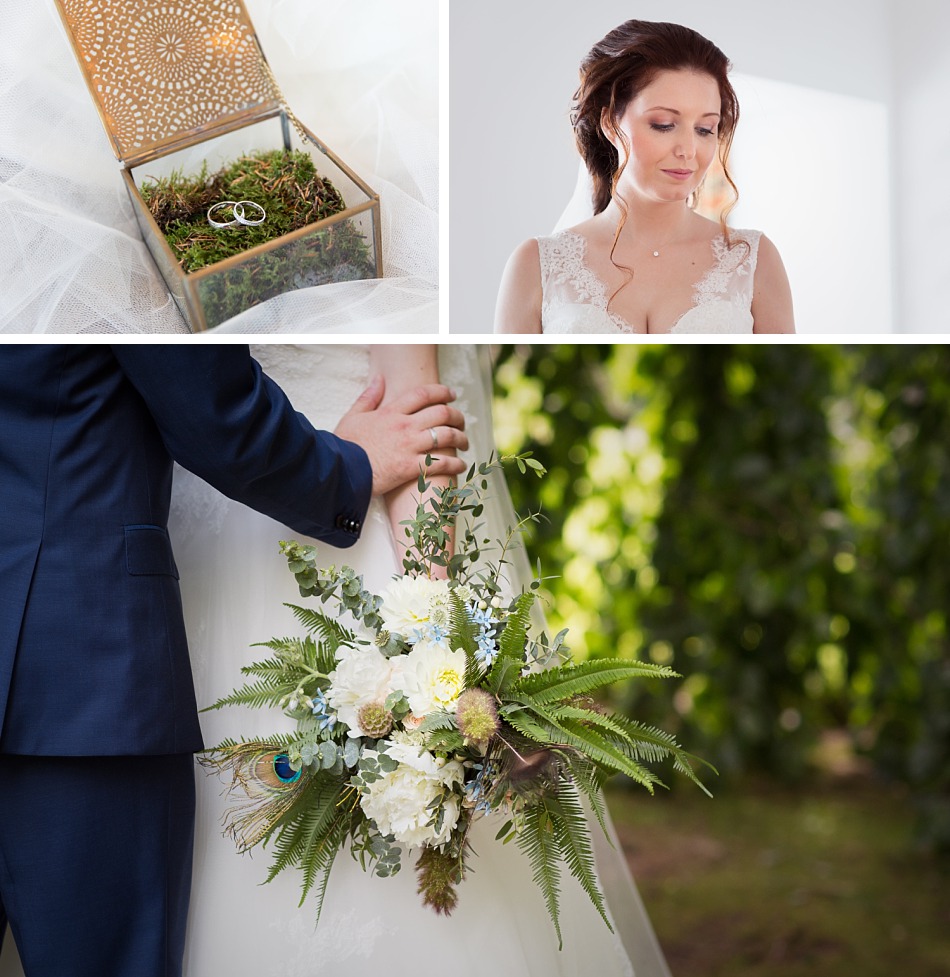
<point x="239" y="209"/>
<point x="223" y="203"/>
<point x="434" y="436"/>
<point x="240" y="215"/>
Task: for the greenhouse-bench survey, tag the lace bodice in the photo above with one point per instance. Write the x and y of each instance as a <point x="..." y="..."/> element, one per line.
<point x="574" y="299"/>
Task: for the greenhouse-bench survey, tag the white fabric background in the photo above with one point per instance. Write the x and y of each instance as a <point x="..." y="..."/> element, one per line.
<point x="363" y="76"/>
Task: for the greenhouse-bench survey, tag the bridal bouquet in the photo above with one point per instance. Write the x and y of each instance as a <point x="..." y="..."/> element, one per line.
<point x="426" y="707"/>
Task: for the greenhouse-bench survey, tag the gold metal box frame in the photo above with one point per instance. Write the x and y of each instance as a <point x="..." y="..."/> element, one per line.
<point x="170" y="76"/>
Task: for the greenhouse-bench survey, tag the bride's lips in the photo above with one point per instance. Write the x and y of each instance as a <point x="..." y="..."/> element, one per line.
<point x="679" y="174"/>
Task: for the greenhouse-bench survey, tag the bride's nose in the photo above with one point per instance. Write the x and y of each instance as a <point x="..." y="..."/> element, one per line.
<point x="686" y="149"/>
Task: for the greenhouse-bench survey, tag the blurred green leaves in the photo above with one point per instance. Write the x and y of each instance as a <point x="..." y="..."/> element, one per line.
<point x="770" y="520"/>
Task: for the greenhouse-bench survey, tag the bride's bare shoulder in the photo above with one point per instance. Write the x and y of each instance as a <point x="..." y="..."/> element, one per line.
<point x="518" y="308"/>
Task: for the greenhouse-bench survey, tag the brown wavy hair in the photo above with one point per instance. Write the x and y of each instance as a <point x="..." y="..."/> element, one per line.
<point x="616" y="70"/>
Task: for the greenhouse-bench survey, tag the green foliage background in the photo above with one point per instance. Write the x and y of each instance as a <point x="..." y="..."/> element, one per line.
<point x="772" y="521"/>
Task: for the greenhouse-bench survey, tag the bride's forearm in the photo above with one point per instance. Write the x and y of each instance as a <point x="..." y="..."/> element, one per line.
<point x="405" y="367"/>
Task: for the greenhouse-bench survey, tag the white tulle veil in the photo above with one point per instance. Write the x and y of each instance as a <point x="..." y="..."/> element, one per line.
<point x="580" y="207"/>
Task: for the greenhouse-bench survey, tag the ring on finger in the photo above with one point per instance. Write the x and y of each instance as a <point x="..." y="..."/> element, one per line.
<point x="434" y="436"/>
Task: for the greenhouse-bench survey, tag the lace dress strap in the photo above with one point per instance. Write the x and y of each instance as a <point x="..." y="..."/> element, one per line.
<point x="733" y="274"/>
<point x="563" y="270"/>
<point x="570" y="291"/>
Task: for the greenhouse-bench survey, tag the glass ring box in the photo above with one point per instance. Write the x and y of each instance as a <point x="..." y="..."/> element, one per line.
<point x="183" y="88"/>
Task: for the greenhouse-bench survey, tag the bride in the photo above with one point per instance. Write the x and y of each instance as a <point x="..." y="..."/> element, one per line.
<point x="653" y="111"/>
<point x="238" y="581"/>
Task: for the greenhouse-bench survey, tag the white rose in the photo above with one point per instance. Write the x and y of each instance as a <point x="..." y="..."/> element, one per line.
<point x="398" y="800"/>
<point x="362" y="675"/>
<point x="433" y="677"/>
<point x="410" y="603"/>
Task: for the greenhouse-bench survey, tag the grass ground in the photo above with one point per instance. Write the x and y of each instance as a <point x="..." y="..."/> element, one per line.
<point x="775" y="882"/>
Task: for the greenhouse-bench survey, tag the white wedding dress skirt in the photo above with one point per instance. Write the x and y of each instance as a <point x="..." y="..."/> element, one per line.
<point x="234" y="582"/>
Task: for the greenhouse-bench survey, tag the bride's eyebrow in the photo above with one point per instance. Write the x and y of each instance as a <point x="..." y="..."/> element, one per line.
<point x="663" y="108"/>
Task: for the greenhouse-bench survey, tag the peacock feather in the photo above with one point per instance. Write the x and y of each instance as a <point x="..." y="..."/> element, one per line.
<point x="264" y="787"/>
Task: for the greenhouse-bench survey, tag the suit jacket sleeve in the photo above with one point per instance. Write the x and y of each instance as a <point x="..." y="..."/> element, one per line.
<point x="222" y="418"/>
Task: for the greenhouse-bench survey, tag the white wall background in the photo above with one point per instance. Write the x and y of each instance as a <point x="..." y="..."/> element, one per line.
<point x="847" y="95"/>
<point x="921" y="163"/>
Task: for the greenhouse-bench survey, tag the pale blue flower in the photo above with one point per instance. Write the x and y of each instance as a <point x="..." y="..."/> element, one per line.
<point x="321" y="709"/>
<point x="486" y="648"/>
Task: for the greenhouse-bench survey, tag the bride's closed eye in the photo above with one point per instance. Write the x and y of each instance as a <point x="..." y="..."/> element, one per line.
<point x="668" y="127"/>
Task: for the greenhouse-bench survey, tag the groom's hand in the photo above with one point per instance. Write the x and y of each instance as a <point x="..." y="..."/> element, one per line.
<point x="398" y="436"/>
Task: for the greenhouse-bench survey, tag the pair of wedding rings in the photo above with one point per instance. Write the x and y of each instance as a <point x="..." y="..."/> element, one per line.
<point x="240" y="213"/>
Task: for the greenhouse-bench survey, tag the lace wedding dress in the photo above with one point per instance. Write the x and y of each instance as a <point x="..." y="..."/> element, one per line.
<point x="234" y="583"/>
<point x="574" y="300"/>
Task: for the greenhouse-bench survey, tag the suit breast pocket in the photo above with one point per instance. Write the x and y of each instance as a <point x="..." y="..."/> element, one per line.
<point x="148" y="552"/>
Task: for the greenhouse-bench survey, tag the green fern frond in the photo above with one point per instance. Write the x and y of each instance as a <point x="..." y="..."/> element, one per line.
<point x="305" y="825"/>
<point x="269" y="667"/>
<point x="320" y="858"/>
<point x="536" y="839"/>
<point x="334" y="846"/>
<point x="570" y="734"/>
<point x="589" y="780"/>
<point x="267" y="692"/>
<point x="644" y="743"/>
<point x="463" y="634"/>
<point x="609" y="752"/>
<point x="289" y="837"/>
<point x="639" y="743"/>
<point x="437" y="720"/>
<point x="574" y="843"/>
<point x="316" y="622"/>
<point x="682" y="765"/>
<point x="511" y="645"/>
<point x="292" y="651"/>
<point x="566" y="681"/>
<point x="278" y="741"/>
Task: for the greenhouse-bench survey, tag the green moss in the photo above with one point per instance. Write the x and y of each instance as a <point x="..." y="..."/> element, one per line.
<point x="293" y="194"/>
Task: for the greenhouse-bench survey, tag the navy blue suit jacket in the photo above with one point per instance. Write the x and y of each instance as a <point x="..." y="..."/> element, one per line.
<point x="93" y="657"/>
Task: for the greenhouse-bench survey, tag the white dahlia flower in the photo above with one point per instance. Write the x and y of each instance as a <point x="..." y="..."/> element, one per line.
<point x="433" y="677"/>
<point x="398" y="801"/>
<point x="362" y="675"/>
<point x="410" y="604"/>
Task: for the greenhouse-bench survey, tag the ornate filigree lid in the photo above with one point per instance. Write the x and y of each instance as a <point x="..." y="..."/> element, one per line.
<point x="162" y="71"/>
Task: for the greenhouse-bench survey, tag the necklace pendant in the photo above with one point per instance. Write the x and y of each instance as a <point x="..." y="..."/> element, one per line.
<point x="656" y="254"/>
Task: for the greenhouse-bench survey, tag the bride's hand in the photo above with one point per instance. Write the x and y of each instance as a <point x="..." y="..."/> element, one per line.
<point x="397" y="436"/>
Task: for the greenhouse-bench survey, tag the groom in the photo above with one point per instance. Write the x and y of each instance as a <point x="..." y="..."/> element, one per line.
<point x="98" y="720"/>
